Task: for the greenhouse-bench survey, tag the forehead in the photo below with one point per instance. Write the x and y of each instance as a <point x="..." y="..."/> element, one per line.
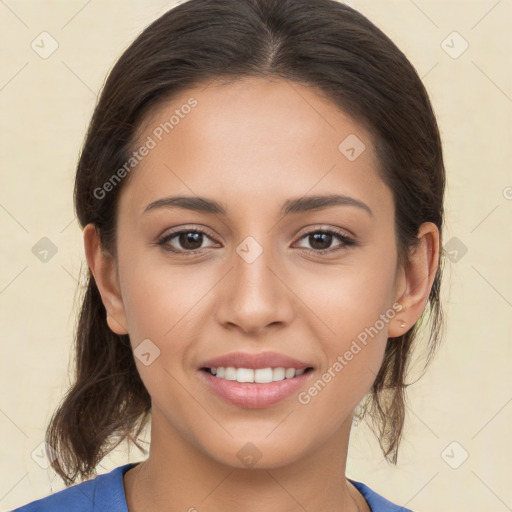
<point x="254" y="138"/>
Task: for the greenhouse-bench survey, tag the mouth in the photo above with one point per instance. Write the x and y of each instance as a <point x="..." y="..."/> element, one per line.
<point x="239" y="387"/>
<point x="254" y="381"/>
<point x="256" y="375"/>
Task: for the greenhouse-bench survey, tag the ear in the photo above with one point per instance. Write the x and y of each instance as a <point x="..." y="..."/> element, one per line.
<point x="103" y="268"/>
<point x="415" y="279"/>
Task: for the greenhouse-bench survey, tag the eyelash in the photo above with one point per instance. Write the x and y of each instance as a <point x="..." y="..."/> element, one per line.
<point x="345" y="240"/>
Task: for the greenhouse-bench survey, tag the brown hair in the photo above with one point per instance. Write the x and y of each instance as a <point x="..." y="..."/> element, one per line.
<point x="320" y="43"/>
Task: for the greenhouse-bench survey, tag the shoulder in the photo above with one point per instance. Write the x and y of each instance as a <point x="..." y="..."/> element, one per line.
<point x="104" y="492"/>
<point x="377" y="502"/>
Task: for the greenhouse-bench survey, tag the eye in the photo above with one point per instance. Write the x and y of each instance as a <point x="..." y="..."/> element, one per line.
<point x="190" y="241"/>
<point x="187" y="240"/>
<point x="321" y="240"/>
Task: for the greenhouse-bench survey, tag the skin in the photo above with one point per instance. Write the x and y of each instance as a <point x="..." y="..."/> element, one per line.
<point x="252" y="145"/>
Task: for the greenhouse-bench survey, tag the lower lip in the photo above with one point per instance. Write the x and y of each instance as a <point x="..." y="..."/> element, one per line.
<point x="252" y="395"/>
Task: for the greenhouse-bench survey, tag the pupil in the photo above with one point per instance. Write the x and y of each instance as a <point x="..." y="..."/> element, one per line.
<point x="191" y="240"/>
<point x="317" y="237"/>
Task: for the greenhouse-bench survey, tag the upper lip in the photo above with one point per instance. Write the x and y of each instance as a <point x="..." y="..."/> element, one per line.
<point x="254" y="361"/>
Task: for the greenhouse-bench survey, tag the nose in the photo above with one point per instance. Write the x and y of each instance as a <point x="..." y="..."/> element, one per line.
<point x="255" y="296"/>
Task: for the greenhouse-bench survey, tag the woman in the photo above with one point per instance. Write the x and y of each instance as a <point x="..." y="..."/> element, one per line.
<point x="261" y="192"/>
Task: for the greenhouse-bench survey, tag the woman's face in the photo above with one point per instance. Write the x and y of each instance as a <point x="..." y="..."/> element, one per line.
<point x="270" y="273"/>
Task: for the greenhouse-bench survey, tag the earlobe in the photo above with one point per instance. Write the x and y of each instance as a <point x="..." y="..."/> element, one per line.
<point x="417" y="279"/>
<point x="103" y="268"/>
<point x="115" y="326"/>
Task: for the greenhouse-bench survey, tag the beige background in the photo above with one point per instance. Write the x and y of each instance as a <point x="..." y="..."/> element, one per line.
<point x="466" y="395"/>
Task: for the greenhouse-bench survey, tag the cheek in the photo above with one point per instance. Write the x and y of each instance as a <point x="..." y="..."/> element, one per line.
<point x="162" y="304"/>
<point x="159" y="298"/>
<point x="358" y="317"/>
<point x="347" y="299"/>
<point x="356" y="305"/>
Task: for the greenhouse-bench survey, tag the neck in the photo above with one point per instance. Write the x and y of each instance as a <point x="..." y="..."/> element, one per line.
<point x="178" y="476"/>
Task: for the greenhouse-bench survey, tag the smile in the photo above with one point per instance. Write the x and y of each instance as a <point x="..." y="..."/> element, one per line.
<point x="258" y="375"/>
<point x="250" y="388"/>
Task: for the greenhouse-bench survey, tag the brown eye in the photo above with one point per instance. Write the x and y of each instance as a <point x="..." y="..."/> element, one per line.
<point x="321" y="240"/>
<point x="184" y="241"/>
<point x="190" y="240"/>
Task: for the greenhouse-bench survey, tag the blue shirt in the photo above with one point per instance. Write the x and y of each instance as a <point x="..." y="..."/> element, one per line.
<point x="106" y="493"/>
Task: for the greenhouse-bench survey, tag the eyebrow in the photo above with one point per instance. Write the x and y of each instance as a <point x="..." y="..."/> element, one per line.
<point x="298" y="205"/>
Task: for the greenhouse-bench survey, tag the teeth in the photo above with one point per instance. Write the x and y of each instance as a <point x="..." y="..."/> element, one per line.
<point x="263" y="375"/>
<point x="289" y="373"/>
<point x="230" y="373"/>
<point x="260" y="375"/>
<point x="278" y="374"/>
<point x="245" y="375"/>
